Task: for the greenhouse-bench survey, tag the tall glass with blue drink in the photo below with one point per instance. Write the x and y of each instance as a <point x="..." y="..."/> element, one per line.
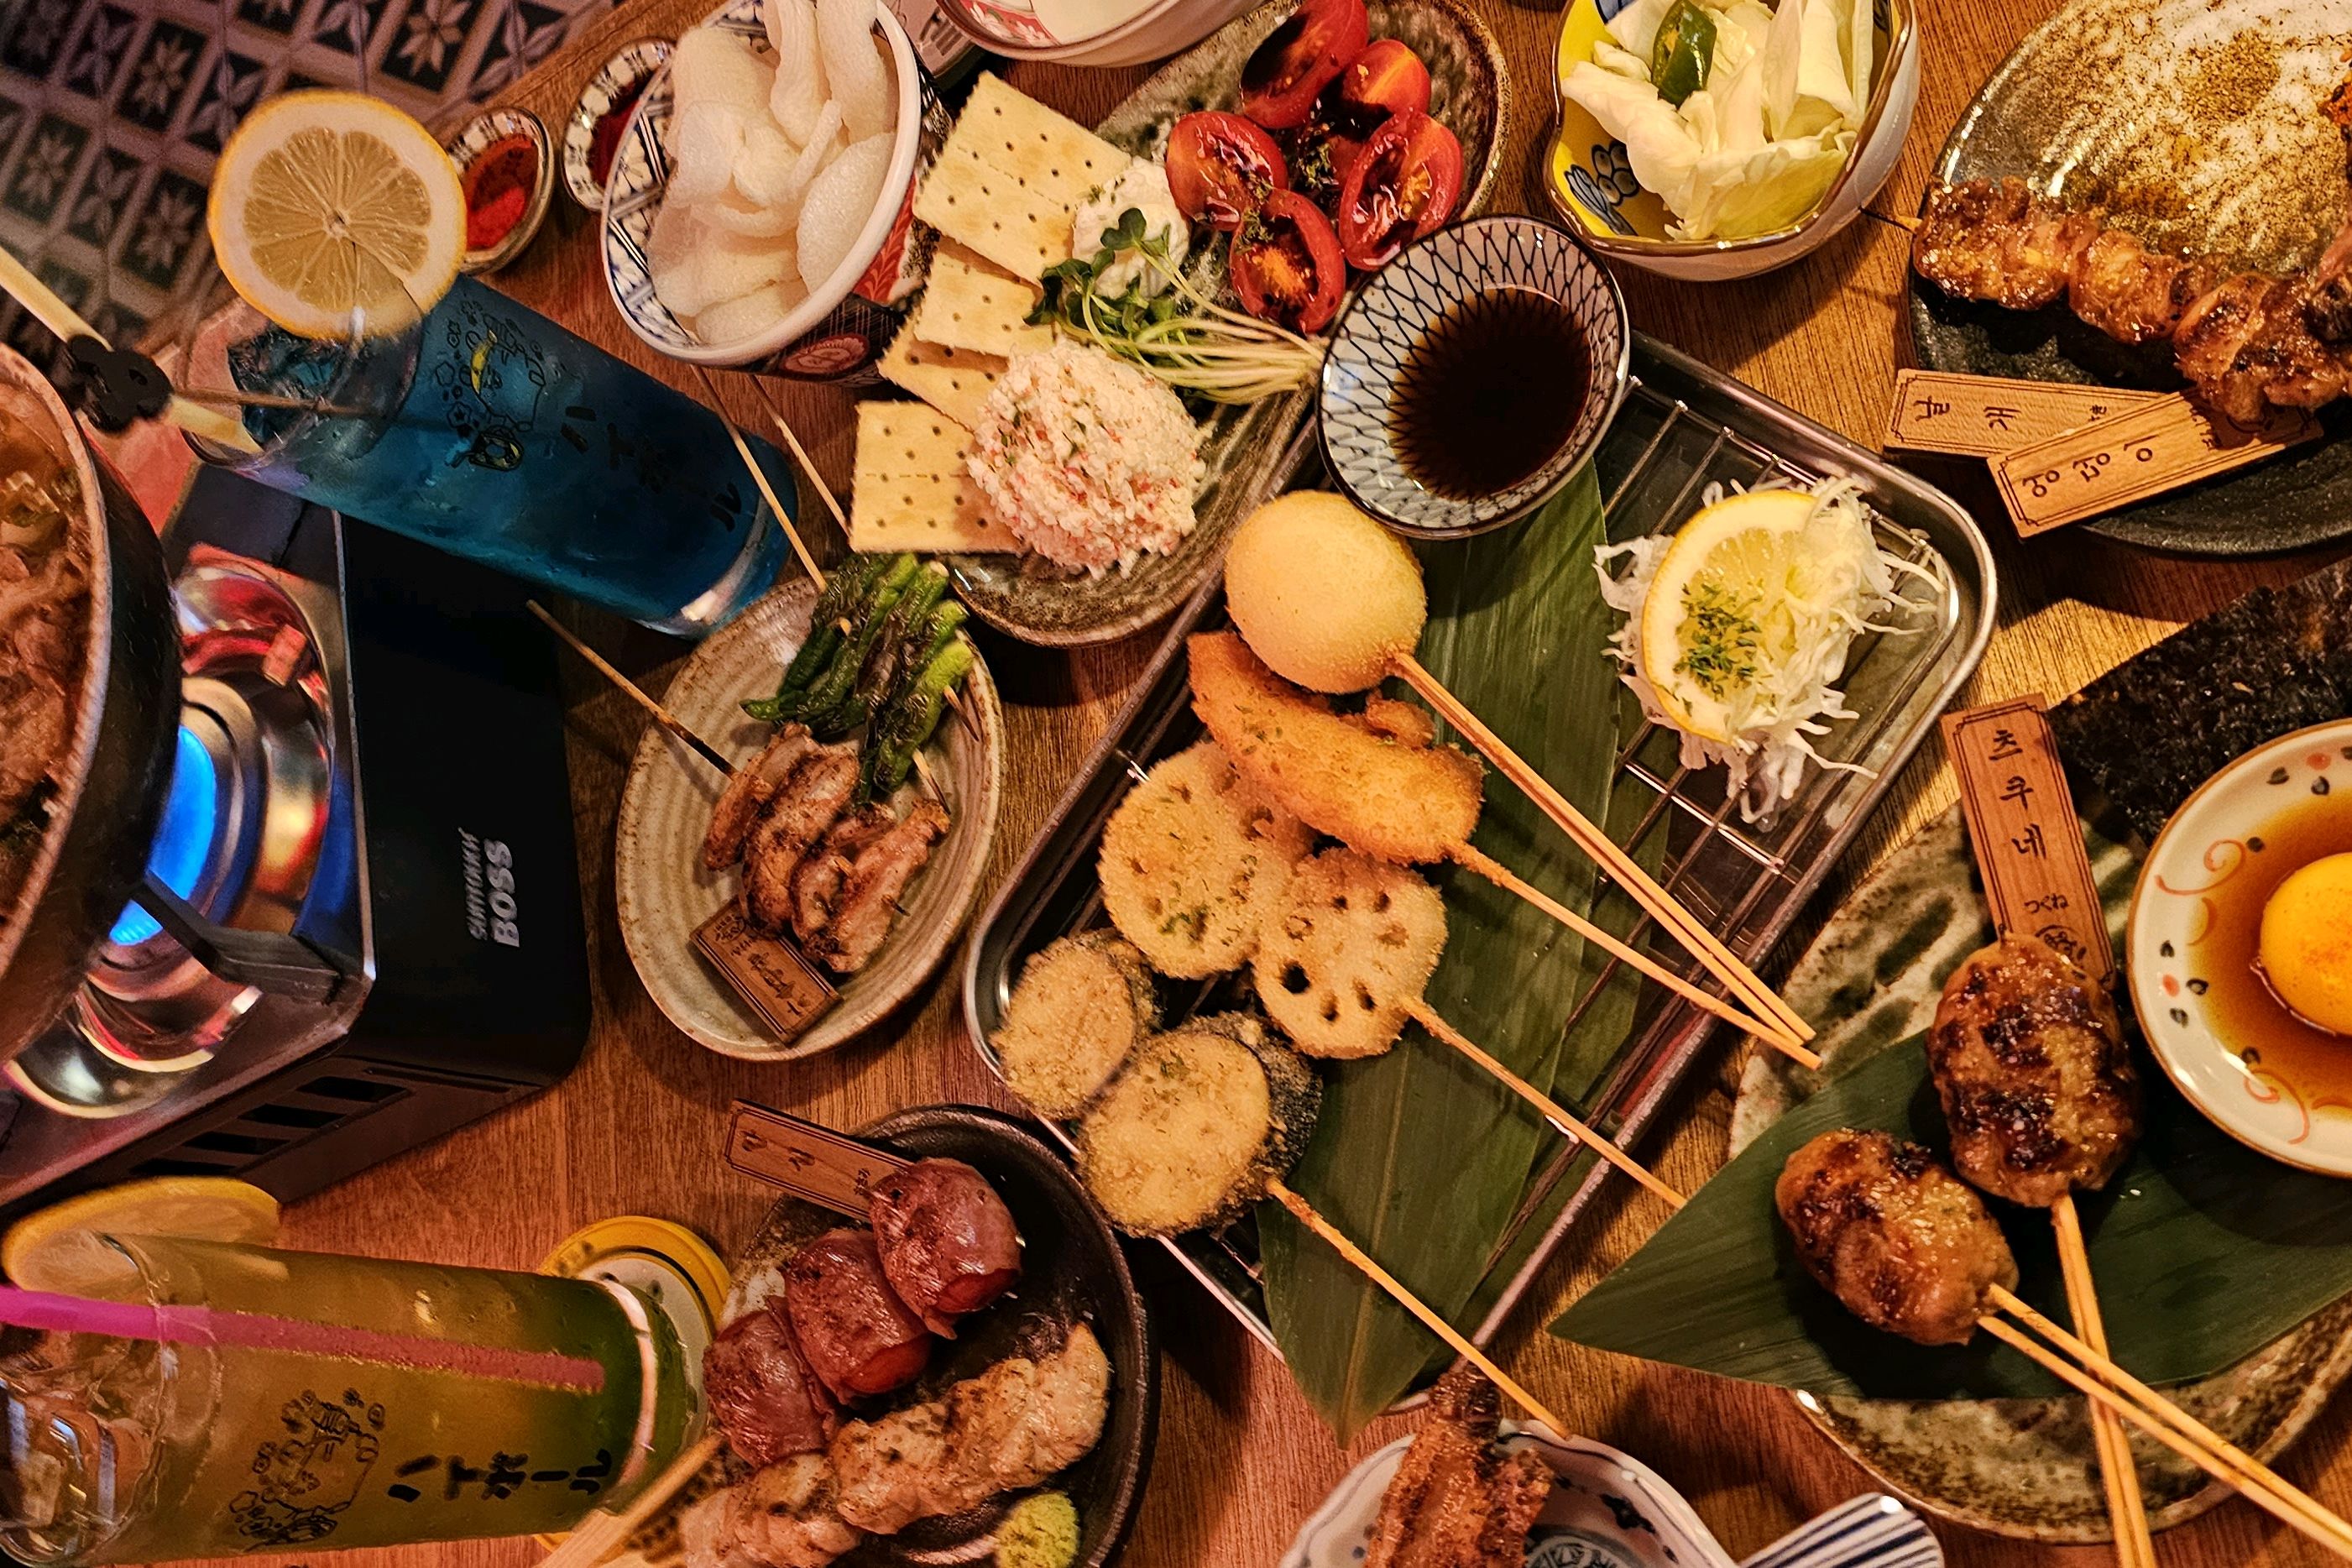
<point x="491" y="432"/>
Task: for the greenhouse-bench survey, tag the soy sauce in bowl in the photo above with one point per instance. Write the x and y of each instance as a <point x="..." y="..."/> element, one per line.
<point x="1491" y="390"/>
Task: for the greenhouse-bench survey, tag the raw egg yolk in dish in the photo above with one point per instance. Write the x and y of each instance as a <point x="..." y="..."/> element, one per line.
<point x="2306" y="942"/>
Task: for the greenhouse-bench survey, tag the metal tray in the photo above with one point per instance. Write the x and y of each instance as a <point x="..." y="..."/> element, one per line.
<point x="1683" y="426"/>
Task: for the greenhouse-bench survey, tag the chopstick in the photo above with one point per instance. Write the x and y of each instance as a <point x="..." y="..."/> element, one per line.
<point x="2127" y="1513"/>
<point x="1304" y="1212"/>
<point x="1782" y="1028"/>
<point x="605" y="1534"/>
<point x="2165" y="1421"/>
<point x="1495" y="871"/>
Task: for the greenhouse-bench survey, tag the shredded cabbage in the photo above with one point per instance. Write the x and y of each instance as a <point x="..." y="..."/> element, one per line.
<point x="1842" y="584"/>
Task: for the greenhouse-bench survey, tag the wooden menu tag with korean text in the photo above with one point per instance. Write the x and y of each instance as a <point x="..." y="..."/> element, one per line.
<point x="807" y="1160"/>
<point x="2022" y="829"/>
<point x="1987" y="415"/>
<point x="2138" y="454"/>
<point x="769" y="974"/>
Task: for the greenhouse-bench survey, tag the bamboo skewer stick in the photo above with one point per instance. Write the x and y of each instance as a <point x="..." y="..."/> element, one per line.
<point x="800" y="455"/>
<point x="1785" y="1030"/>
<point x="270" y="400"/>
<point x="2256" y="1482"/>
<point x="1282" y="1192"/>
<point x="1421" y="1013"/>
<point x="661" y="715"/>
<point x="1495" y="871"/>
<point x="602" y="1534"/>
<point x="2127" y="1513"/>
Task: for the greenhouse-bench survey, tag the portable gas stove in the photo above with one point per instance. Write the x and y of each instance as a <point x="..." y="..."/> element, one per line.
<point x="360" y="925"/>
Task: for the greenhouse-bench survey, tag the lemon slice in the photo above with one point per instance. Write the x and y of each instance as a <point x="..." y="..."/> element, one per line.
<point x="331" y="211"/>
<point x="1713" y="622"/>
<point x="60" y="1248"/>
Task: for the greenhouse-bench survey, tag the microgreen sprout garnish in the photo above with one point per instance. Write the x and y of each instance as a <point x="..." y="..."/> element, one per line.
<point x="1183" y="337"/>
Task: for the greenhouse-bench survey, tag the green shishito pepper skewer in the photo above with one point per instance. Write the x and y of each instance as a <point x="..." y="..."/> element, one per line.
<point x="907" y="725"/>
<point x="841" y="594"/>
<point x="938" y="632"/>
<point x="894" y="640"/>
<point x="848" y="657"/>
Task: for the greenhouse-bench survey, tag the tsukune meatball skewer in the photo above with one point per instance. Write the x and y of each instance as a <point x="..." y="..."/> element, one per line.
<point x="1333" y="601"/>
<point x="1910" y="1249"/>
<point x="2037" y="1084"/>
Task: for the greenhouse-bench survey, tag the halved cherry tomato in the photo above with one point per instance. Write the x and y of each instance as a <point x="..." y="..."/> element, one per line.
<point x="1298" y="59"/>
<point x="1387" y="78"/>
<point x="1403" y="186"/>
<point x="1286" y="264"/>
<point x="1320" y="158"/>
<point x="1217" y="164"/>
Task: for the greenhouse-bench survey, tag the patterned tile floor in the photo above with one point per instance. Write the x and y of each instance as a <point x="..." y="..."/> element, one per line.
<point x="113" y="112"/>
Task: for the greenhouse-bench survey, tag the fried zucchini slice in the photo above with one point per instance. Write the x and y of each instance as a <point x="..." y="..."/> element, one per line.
<point x="1195" y="1125"/>
<point x="1081" y="1008"/>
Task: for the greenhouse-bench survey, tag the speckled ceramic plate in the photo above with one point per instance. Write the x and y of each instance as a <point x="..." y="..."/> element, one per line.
<point x="1611" y="1511"/>
<point x="1072" y="1271"/>
<point x="664" y="893"/>
<point x="2198" y="123"/>
<point x="1248" y="452"/>
<point x="2021" y="1468"/>
<point x="2286" y="1106"/>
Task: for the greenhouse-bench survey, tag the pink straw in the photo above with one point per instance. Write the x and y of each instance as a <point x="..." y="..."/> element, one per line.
<point x="255" y="1331"/>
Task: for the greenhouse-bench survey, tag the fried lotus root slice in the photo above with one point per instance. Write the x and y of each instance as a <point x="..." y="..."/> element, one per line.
<point x="1081" y="1008"/>
<point x="1189" y="862"/>
<point x="1196" y="1125"/>
<point x="1346" y="952"/>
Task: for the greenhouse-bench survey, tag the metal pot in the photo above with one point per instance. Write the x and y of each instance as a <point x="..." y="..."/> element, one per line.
<point x="113" y="779"/>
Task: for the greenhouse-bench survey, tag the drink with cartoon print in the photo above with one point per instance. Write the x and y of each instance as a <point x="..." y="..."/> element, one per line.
<point x="364" y="1403"/>
<point x="492" y="433"/>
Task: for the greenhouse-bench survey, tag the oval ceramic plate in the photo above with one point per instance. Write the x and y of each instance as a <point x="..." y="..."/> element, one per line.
<point x="1072" y="1271"/>
<point x="1245" y="450"/>
<point x="2021" y="1468"/>
<point x="2266" y="1101"/>
<point x="664" y="893"/>
<point x="1611" y="1511"/>
<point x="2098" y="104"/>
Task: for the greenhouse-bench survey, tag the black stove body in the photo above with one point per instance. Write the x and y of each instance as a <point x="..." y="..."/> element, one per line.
<point x="370" y="932"/>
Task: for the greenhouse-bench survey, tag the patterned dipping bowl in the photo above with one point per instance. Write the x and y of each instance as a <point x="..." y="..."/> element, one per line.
<point x="2265" y="1077"/>
<point x="1394" y="309"/>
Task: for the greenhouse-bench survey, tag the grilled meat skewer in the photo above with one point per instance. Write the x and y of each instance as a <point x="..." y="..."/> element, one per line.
<point x="2036" y="1083"/>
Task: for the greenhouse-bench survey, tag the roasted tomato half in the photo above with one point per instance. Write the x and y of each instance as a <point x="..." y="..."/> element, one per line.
<point x="1287" y="263"/>
<point x="1298" y="59"/>
<point x="1217" y="165"/>
<point x="1386" y="78"/>
<point x="1320" y="158"/>
<point x="1403" y="186"/>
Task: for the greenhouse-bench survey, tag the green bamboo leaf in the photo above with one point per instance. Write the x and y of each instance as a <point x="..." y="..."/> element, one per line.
<point x="2204" y="1252"/>
<point x="1418" y="1156"/>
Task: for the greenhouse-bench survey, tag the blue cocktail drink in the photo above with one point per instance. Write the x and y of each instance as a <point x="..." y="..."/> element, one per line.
<point x="489" y="431"/>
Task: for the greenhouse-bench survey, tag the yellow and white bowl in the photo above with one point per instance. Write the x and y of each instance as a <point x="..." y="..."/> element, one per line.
<point x="1590" y="179"/>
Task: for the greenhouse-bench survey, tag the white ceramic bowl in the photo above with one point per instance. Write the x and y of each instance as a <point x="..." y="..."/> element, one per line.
<point x="1590" y="204"/>
<point x="2283" y="1103"/>
<point x="835" y="332"/>
<point x="1010" y="29"/>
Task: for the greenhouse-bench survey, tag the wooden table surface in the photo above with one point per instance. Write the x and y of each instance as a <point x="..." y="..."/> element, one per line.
<point x="1241" y="1459"/>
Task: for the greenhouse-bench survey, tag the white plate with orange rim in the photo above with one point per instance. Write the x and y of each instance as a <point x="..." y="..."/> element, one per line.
<point x="663" y="893"/>
<point x="2266" y="1076"/>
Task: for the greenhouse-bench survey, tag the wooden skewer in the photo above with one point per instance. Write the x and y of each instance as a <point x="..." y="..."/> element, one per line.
<point x="1421" y="1013"/>
<point x="1495" y="871"/>
<point x="1785" y="1030"/>
<point x="661" y="716"/>
<point x="270" y="400"/>
<point x="2127" y="1513"/>
<point x="602" y="1534"/>
<point x="2160" y="1417"/>
<point x="1282" y="1192"/>
<point x="800" y="455"/>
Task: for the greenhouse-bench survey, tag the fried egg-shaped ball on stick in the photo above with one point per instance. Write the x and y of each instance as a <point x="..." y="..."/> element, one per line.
<point x="1326" y="597"/>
